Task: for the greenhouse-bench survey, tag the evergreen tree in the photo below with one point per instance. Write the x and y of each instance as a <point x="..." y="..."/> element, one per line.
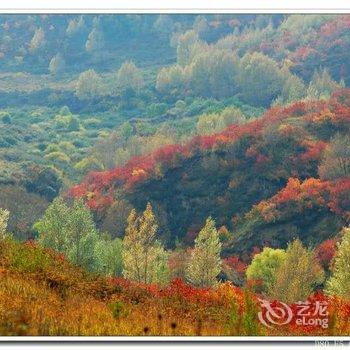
<point x="205" y="263"/>
<point x="144" y="258"/>
<point x="339" y="282"/>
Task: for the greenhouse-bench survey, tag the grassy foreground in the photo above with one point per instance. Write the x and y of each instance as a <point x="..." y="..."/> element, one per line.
<point x="42" y="294"/>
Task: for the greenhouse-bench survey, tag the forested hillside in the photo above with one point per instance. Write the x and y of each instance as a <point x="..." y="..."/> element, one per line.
<point x="67" y="109"/>
<point x="282" y="176"/>
<point x="173" y="159"/>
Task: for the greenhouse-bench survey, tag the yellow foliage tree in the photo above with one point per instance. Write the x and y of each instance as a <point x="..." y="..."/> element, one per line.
<point x="339" y="282"/>
<point x="144" y="258"/>
<point x="4" y="217"/>
<point x="298" y="274"/>
<point x="205" y="262"/>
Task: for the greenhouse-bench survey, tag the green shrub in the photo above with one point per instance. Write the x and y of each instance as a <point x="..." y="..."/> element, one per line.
<point x="61" y="122"/>
<point x="6" y="119"/>
<point x="24" y="258"/>
<point x="10" y="140"/>
<point x="81" y="143"/>
<point x="88" y="164"/>
<point x="66" y="147"/>
<point x="59" y="157"/>
<point x="73" y="124"/>
<point x="65" y="111"/>
<point x="156" y="109"/>
<point x="118" y="309"/>
<point x="52" y="148"/>
<point x="91" y="123"/>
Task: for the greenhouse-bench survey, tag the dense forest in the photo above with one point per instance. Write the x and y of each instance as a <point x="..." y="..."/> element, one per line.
<point x="163" y="172"/>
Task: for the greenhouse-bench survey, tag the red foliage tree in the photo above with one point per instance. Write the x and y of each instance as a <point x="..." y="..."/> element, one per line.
<point x="340" y="198"/>
<point x="98" y="187"/>
<point x="313" y="151"/>
<point x="236" y="264"/>
<point x="325" y="252"/>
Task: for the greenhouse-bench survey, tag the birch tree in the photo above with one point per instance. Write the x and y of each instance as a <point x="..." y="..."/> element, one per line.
<point x="4" y="217"/>
<point x="144" y="258"/>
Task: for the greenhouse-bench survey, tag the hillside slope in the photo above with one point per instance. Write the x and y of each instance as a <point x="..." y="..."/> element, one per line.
<point x="224" y="175"/>
<point x="41" y="294"/>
